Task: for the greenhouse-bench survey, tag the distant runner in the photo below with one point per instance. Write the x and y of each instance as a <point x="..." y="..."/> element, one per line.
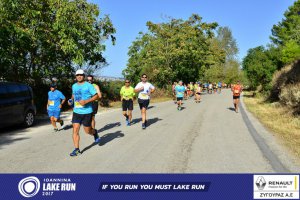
<point x="198" y="91"/>
<point x="179" y="89"/>
<point x="127" y="94"/>
<point x="144" y="89"/>
<point x="55" y="101"/>
<point x="83" y="94"/>
<point x="236" y="90"/>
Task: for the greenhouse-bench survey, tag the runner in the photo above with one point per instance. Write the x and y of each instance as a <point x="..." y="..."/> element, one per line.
<point x="210" y="88"/>
<point x="55" y="101"/>
<point x="237" y="90"/>
<point x="127" y="95"/>
<point x="179" y="89"/>
<point x="95" y="104"/>
<point x="144" y="89"/>
<point x="83" y="94"/>
<point x="198" y="93"/>
<point x="219" y="87"/>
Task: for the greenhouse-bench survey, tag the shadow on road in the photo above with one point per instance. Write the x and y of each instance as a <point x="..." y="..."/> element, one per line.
<point x="149" y="107"/>
<point x="109" y="126"/>
<point x="105" y="139"/>
<point x="135" y="121"/>
<point x="109" y="137"/>
<point x="152" y="121"/>
<point x="232" y="109"/>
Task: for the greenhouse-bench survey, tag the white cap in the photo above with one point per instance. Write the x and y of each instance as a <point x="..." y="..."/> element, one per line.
<point x="80" y="71"/>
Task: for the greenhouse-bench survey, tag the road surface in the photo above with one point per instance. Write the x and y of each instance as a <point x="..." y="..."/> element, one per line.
<point x="208" y="137"/>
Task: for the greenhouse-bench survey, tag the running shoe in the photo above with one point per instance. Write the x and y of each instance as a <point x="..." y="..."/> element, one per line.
<point x="76" y="152"/>
<point x="96" y="137"/>
<point x="127" y="122"/>
<point x="55" y="130"/>
<point x="143" y="126"/>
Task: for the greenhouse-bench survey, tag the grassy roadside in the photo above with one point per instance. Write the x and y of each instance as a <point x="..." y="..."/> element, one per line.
<point x="278" y="119"/>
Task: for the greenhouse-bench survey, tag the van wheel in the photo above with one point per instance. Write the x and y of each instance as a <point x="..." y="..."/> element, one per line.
<point x="29" y="119"/>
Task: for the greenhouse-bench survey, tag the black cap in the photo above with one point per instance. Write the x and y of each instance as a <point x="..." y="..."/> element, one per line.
<point x="53" y="85"/>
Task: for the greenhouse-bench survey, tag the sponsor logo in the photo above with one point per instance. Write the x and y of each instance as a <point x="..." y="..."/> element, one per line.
<point x="276" y="186"/>
<point x="260" y="183"/>
<point x="29" y="187"/>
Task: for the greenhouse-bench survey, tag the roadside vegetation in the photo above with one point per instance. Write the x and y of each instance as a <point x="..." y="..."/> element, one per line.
<point x="274" y="78"/>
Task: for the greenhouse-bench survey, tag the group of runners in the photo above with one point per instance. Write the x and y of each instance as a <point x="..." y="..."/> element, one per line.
<point x="84" y="100"/>
<point x="86" y="95"/>
<point x="184" y="91"/>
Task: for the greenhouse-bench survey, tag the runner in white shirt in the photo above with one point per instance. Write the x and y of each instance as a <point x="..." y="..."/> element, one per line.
<point x="144" y="89"/>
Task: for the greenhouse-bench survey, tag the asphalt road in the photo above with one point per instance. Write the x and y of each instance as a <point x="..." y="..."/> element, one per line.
<point x="208" y="137"/>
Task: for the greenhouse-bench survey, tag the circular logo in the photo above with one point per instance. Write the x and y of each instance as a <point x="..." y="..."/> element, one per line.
<point x="30" y="186"/>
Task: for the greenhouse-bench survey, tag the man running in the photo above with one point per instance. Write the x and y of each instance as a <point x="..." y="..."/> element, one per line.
<point x="179" y="90"/>
<point x="198" y="93"/>
<point x="127" y="94"/>
<point x="173" y="91"/>
<point x="236" y="90"/>
<point x="55" y="101"/>
<point x="144" y="89"/>
<point x="95" y="104"/>
<point x="83" y="94"/>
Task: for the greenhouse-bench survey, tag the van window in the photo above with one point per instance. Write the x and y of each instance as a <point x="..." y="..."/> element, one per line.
<point x="3" y="92"/>
<point x="14" y="91"/>
<point x="24" y="90"/>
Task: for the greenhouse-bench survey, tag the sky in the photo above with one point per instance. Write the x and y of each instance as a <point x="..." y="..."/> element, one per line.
<point x="250" y="21"/>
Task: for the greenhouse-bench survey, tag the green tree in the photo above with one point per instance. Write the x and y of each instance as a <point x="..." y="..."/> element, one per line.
<point x="41" y="39"/>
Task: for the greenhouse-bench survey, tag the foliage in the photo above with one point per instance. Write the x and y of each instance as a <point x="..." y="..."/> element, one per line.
<point x="258" y="67"/>
<point x="46" y="38"/>
<point x="174" y="50"/>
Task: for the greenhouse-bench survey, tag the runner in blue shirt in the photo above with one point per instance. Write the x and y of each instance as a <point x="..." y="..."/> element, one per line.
<point x="83" y="94"/>
<point x="55" y="101"/>
<point x="179" y="90"/>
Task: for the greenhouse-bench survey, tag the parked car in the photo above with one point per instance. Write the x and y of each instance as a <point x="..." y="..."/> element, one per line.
<point x="16" y="104"/>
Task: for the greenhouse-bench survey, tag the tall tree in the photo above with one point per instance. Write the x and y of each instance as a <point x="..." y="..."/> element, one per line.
<point x="40" y="39"/>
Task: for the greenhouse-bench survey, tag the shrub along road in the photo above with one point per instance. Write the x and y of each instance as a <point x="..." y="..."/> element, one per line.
<point x="208" y="137"/>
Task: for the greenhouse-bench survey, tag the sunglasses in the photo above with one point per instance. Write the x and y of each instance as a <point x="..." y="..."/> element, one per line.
<point x="127" y="82"/>
<point x="144" y="76"/>
<point x="79" y="75"/>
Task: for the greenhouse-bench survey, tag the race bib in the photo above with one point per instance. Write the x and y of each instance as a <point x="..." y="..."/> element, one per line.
<point x="144" y="96"/>
<point x="51" y="103"/>
<point x="236" y="91"/>
<point x="78" y="105"/>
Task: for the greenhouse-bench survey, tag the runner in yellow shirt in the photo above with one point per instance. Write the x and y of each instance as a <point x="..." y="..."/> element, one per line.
<point x="127" y="94"/>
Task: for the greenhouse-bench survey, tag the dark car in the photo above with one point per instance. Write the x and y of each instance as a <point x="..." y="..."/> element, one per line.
<point x="16" y="104"/>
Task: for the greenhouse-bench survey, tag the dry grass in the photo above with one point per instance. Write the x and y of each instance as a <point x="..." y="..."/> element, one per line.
<point x="278" y="119"/>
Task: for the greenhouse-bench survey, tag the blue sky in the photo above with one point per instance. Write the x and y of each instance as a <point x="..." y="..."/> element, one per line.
<point x="251" y="21"/>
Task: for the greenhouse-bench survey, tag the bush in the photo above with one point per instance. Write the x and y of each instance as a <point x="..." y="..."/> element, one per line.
<point x="290" y="96"/>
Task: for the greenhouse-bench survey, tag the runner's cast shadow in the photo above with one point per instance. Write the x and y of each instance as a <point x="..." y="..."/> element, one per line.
<point x="105" y="139"/>
<point x="182" y="108"/>
<point x="152" y="121"/>
<point x="67" y="127"/>
<point x="109" y="137"/>
<point x="135" y="121"/>
<point x="109" y="126"/>
<point x="149" y="107"/>
<point x="232" y="109"/>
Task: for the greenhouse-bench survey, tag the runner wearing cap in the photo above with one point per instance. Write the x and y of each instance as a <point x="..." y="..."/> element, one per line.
<point x="144" y="89"/>
<point x="55" y="101"/>
<point x="83" y="94"/>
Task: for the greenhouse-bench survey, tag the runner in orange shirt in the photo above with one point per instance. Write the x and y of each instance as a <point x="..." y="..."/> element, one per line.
<point x="236" y="90"/>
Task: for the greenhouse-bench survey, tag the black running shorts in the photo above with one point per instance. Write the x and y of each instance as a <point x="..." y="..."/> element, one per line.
<point x="127" y="104"/>
<point x="236" y="97"/>
<point x="95" y="106"/>
<point x="84" y="119"/>
<point x="143" y="103"/>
